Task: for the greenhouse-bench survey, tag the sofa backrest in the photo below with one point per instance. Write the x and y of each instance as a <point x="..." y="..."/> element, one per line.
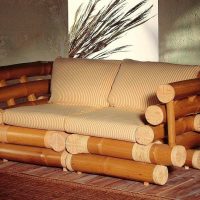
<point x="136" y="83"/>
<point x="82" y="81"/>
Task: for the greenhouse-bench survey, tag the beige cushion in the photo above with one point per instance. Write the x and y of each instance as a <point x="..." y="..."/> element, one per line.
<point x="82" y="81"/>
<point x="136" y="83"/>
<point x="47" y="116"/>
<point x="107" y="122"/>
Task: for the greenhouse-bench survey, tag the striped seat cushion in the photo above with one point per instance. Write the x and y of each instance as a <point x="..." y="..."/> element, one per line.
<point x="106" y="122"/>
<point x="136" y="83"/>
<point x="82" y="81"/>
<point x="47" y="116"/>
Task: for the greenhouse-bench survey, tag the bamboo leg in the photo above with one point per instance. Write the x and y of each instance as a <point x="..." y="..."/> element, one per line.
<point x="171" y="124"/>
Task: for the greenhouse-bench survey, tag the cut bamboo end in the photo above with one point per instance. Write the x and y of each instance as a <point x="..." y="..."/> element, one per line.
<point x="77" y="144"/>
<point x="196" y="160"/>
<point x="55" y="140"/>
<point x="178" y="155"/>
<point x="154" y="115"/>
<point x="144" y="135"/>
<point x="160" y="174"/>
<point x="197" y="123"/>
<point x="165" y="93"/>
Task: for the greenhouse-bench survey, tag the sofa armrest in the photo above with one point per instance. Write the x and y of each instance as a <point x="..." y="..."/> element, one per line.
<point x="172" y="93"/>
<point x="25" y="84"/>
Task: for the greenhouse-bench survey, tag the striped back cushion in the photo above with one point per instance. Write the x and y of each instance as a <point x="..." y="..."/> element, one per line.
<point x="82" y="81"/>
<point x="136" y="83"/>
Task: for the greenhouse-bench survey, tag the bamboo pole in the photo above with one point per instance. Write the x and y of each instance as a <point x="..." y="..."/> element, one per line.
<point x="33" y="137"/>
<point x="31" y="103"/>
<point x="147" y="134"/>
<point x="33" y="155"/>
<point x="29" y="69"/>
<point x="152" y="153"/>
<point x="116" y="167"/>
<point x="193" y="158"/>
<point x="156" y="114"/>
<point x="178" y="90"/>
<point x="189" y="140"/>
<point x="24" y="89"/>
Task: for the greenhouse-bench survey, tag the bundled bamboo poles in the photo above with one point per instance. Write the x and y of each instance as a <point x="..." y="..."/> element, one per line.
<point x="152" y="153"/>
<point x="15" y="85"/>
<point x="156" y="114"/>
<point x="86" y="163"/>
<point x="146" y="134"/>
<point x="178" y="116"/>
<point x="33" y="137"/>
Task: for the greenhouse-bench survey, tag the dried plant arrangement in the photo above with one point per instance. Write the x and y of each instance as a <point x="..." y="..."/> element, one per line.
<point x="91" y="32"/>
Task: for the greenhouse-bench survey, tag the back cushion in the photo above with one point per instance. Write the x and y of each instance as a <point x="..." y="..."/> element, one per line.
<point x="82" y="81"/>
<point x="136" y="83"/>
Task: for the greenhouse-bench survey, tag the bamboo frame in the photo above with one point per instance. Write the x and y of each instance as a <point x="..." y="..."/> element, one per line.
<point x="29" y="69"/>
<point x="189" y="140"/>
<point x="152" y="153"/>
<point x="33" y="137"/>
<point x="193" y="158"/>
<point x="116" y="167"/>
<point x="24" y="89"/>
<point x="156" y="114"/>
<point x="178" y="90"/>
<point x="147" y="134"/>
<point x="33" y="155"/>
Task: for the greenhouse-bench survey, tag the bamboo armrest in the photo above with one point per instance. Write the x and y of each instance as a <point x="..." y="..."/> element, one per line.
<point x="16" y="89"/>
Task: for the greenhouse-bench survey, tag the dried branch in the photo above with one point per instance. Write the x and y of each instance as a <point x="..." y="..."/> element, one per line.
<point x="91" y="33"/>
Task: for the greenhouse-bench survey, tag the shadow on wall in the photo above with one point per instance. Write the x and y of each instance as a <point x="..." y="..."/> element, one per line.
<point x="179" y="31"/>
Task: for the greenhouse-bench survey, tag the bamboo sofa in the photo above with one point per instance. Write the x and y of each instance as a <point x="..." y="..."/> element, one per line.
<point x="101" y="117"/>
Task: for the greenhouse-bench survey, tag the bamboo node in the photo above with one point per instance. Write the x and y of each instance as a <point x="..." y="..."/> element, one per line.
<point x="63" y="159"/>
<point x="160" y="174"/>
<point x="55" y="140"/>
<point x="1" y="116"/>
<point x="178" y="155"/>
<point x="144" y="135"/>
<point x="165" y="93"/>
<point x="77" y="144"/>
<point x="154" y="115"/>
<point x="196" y="159"/>
<point x="197" y="123"/>
<point x="68" y="162"/>
<point x="3" y="133"/>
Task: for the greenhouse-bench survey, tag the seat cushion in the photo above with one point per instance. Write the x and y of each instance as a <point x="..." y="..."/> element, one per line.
<point x="136" y="83"/>
<point x="82" y="81"/>
<point x="46" y="116"/>
<point x="107" y="122"/>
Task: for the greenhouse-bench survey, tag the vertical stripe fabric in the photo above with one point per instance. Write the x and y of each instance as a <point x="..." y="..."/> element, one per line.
<point x="46" y="116"/>
<point x="82" y="81"/>
<point x="110" y="122"/>
<point x="136" y="83"/>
